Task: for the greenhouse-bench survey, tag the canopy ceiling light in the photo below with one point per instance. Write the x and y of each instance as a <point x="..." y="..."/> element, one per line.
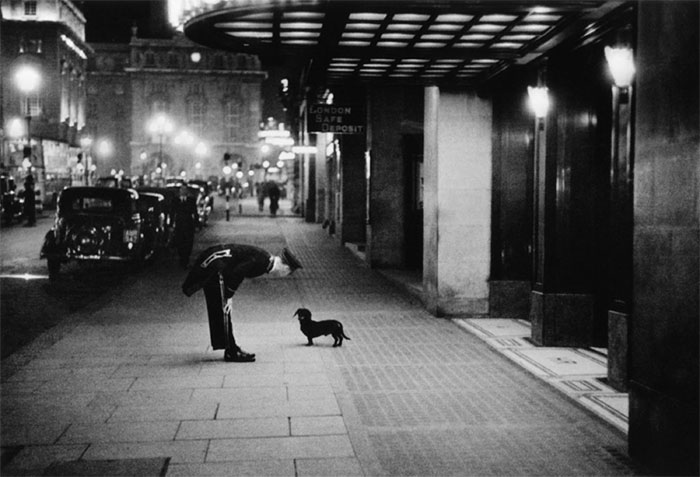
<point x="374" y="40"/>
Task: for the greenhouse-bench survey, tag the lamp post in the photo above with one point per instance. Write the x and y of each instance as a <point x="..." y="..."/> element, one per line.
<point x="28" y="80"/>
<point x="160" y="125"/>
<point x="201" y="150"/>
<point x="85" y="143"/>
<point x="539" y="103"/>
<point x="620" y="60"/>
<point x="104" y="150"/>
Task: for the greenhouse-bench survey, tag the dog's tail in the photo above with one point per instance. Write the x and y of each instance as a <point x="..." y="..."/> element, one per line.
<point x="344" y="337"/>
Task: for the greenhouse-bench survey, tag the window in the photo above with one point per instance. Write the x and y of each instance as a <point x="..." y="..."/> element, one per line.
<point x="195" y="115"/>
<point x="34" y="45"/>
<point x="30" y="8"/>
<point x="159" y="106"/>
<point x="150" y="59"/>
<point x="31" y="106"/>
<point x="232" y="121"/>
<point x="173" y="60"/>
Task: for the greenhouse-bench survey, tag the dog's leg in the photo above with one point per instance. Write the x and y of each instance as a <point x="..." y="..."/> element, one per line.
<point x="310" y="343"/>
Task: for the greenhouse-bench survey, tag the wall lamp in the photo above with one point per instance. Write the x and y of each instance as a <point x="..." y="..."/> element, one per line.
<point x="539" y="100"/>
<point x="621" y="63"/>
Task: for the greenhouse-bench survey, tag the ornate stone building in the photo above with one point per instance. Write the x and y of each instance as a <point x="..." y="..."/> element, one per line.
<point x="159" y="108"/>
<point x="42" y="91"/>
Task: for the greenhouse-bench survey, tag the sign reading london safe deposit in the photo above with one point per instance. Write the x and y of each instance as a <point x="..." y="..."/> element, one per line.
<point x="336" y="118"/>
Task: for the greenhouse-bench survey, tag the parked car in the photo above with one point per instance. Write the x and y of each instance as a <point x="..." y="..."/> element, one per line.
<point x="95" y="224"/>
<point x="152" y="210"/>
<point x="207" y="188"/>
<point x="170" y="194"/>
<point x="12" y="201"/>
<point x="114" y="181"/>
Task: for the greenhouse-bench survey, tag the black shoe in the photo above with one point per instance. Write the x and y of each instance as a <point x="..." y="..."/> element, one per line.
<point x="238" y="356"/>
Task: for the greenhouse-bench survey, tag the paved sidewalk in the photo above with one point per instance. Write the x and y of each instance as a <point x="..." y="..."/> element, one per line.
<point x="134" y="389"/>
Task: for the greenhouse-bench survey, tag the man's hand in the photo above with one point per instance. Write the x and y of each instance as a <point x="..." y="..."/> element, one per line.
<point x="228" y="307"/>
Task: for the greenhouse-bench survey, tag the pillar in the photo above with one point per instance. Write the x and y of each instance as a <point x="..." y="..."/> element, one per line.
<point x="393" y="112"/>
<point x="457" y="202"/>
<point x="663" y="334"/>
<point x="353" y="189"/>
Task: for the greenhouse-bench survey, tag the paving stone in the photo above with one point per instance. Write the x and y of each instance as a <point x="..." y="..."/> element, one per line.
<point x="316" y="426"/>
<point x="142" y="467"/>
<point x="234" y="428"/>
<point x="279" y="448"/>
<point x="178" y="451"/>
<point x="177" y="382"/>
<point x="345" y="466"/>
<point x="241" y="395"/>
<point x="120" y="432"/>
<point x="288" y="409"/>
<point x="32" y="460"/>
<point x="158" y="412"/>
<point x="241" y="468"/>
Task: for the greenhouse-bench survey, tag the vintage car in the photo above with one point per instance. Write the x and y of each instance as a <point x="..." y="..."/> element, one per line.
<point x="116" y="181"/>
<point x="152" y="208"/>
<point x="170" y="195"/>
<point x="207" y="188"/>
<point x="95" y="224"/>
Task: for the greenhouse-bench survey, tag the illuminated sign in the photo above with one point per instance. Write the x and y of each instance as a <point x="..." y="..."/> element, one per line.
<point x="337" y="119"/>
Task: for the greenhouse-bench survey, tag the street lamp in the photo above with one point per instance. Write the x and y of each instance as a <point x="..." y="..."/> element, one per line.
<point x="620" y="59"/>
<point x="85" y="143"/>
<point x="28" y="80"/>
<point x="539" y="100"/>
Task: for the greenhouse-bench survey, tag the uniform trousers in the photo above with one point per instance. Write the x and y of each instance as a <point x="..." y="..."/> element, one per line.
<point x="215" y="310"/>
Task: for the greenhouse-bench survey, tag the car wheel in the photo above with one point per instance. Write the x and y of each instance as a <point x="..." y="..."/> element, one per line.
<point x="54" y="267"/>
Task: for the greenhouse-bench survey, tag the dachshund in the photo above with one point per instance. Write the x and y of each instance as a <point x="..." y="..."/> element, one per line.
<point x="313" y="329"/>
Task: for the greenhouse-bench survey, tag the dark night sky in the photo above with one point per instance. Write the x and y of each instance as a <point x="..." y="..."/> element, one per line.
<point x="111" y="20"/>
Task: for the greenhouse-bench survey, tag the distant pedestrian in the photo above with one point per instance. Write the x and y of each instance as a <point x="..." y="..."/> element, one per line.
<point x="260" y="191"/>
<point x="185" y="213"/>
<point x="219" y="271"/>
<point x="273" y="192"/>
<point x="29" y="200"/>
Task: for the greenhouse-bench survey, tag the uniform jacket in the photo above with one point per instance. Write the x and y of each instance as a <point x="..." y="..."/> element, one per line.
<point x="235" y="262"/>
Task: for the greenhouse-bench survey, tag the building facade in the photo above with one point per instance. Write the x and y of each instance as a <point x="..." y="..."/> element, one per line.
<point x="44" y="60"/>
<point x="162" y="108"/>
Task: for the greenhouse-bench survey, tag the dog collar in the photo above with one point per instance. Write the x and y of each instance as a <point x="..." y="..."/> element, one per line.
<point x="271" y="264"/>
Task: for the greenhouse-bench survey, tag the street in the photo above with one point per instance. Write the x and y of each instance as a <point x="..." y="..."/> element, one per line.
<point x="125" y="382"/>
<point x="30" y="304"/>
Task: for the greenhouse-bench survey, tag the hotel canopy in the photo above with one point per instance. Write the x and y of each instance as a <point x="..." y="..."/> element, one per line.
<point x="429" y="41"/>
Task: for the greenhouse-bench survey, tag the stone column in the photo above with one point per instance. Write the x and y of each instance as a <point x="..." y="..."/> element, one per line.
<point x="457" y="207"/>
<point x="663" y="329"/>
